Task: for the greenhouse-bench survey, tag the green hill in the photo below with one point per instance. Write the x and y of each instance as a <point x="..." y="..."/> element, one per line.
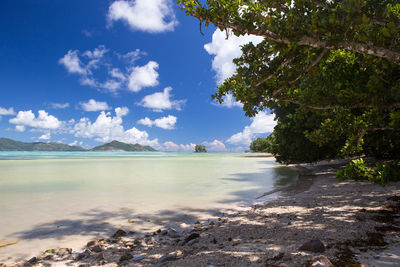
<point x="12" y="145"/>
<point x="119" y="146"/>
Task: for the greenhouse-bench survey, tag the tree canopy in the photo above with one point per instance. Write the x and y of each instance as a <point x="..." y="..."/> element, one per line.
<point x="200" y="148"/>
<point x="328" y="69"/>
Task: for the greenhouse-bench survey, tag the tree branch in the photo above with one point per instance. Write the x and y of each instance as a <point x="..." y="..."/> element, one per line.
<point x="315" y="62"/>
<point x="310" y="41"/>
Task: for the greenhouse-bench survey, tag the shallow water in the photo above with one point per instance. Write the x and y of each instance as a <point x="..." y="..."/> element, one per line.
<point x="62" y="199"/>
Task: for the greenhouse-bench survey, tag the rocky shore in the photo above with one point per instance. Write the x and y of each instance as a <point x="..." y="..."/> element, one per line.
<point x="317" y="222"/>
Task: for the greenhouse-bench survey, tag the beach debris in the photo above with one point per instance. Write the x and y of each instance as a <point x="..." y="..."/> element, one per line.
<point x="173" y="233"/>
<point x="126" y="256"/>
<point x="32" y="260"/>
<point x="119" y="233"/>
<point x="138" y="258"/>
<point x="4" y="242"/>
<point x="314" y="245"/>
<point x="92" y="243"/>
<point x="321" y="261"/>
<point x="192" y="236"/>
<point x="170" y="257"/>
<point x="96" y="248"/>
<point x="64" y="251"/>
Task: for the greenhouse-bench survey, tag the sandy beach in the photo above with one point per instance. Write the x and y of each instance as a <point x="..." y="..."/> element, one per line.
<point x="348" y="223"/>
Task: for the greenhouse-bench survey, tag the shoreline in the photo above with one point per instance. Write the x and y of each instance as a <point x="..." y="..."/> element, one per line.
<point x="342" y="215"/>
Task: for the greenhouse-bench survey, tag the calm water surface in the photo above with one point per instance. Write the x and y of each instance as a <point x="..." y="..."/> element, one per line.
<point x="50" y="199"/>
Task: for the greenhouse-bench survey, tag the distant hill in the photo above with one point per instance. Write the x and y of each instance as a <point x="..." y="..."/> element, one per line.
<point x="12" y="145"/>
<point x="119" y="146"/>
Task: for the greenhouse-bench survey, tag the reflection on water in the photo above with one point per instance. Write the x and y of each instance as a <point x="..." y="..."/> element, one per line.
<point x="56" y="195"/>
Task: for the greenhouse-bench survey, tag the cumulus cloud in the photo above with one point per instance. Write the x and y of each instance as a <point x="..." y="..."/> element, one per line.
<point x="172" y="147"/>
<point x="59" y="105"/>
<point x="6" y="112"/>
<point x="167" y="123"/>
<point x="20" y="128"/>
<point x="262" y="123"/>
<point x="143" y="76"/>
<point x="224" y="51"/>
<point x="107" y="128"/>
<point x="72" y="62"/>
<point x="152" y="16"/>
<point x="93" y="105"/>
<point x="229" y="102"/>
<point x="42" y="121"/>
<point x="45" y="136"/>
<point x="133" y="78"/>
<point x="161" y="101"/>
<point x="215" y="146"/>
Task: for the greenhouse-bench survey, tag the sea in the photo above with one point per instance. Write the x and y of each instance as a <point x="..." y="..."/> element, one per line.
<point x="64" y="199"/>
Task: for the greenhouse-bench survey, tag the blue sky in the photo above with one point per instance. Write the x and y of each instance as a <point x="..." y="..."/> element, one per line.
<point x="89" y="71"/>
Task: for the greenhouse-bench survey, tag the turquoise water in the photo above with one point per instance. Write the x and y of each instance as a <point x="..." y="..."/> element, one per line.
<point x="57" y="197"/>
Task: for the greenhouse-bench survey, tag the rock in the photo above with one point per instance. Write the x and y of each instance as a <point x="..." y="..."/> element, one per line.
<point x="321" y="261"/>
<point x="126" y="256"/>
<point x="119" y="233"/>
<point x="96" y="248"/>
<point x="164" y="232"/>
<point x="214" y="241"/>
<point x="173" y="233"/>
<point x="80" y="256"/>
<point x="191" y="237"/>
<point x="314" y="245"/>
<point x="33" y="260"/>
<point x="210" y="263"/>
<point x="138" y="258"/>
<point x="100" y="257"/>
<point x="48" y="257"/>
<point x="170" y="257"/>
<point x="64" y="251"/>
<point x="92" y="243"/>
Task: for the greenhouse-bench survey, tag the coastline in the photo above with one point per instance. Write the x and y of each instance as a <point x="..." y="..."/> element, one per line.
<point x="345" y="216"/>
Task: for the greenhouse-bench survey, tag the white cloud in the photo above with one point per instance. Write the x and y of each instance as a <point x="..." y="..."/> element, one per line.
<point x="215" y="146"/>
<point x="229" y="102"/>
<point x="20" y="128"/>
<point x="144" y="76"/>
<point x="161" y="100"/>
<point x="42" y="121"/>
<point x="59" y="105"/>
<point x="224" y="51"/>
<point x="167" y="123"/>
<point x="6" y="112"/>
<point x="133" y="78"/>
<point x="72" y="62"/>
<point x="107" y="128"/>
<point x="144" y="15"/>
<point x="170" y="146"/>
<point x="262" y="123"/>
<point x="45" y="136"/>
<point x="93" y="105"/>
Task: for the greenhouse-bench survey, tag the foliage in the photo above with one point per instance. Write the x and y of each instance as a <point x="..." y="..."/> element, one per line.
<point x="116" y="145"/>
<point x="329" y="70"/>
<point x="381" y="174"/>
<point x="200" y="148"/>
<point x="262" y="144"/>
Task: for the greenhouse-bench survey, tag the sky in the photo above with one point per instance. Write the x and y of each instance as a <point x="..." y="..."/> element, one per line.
<point x="86" y="72"/>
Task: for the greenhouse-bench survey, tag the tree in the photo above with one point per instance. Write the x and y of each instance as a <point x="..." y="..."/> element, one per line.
<point x="330" y="70"/>
<point x="263" y="144"/>
<point x="316" y="55"/>
<point x="200" y="148"/>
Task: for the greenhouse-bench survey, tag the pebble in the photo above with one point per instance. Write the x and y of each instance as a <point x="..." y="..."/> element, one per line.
<point x="119" y="233"/>
<point x="126" y="256"/>
<point x="96" y="248"/>
<point x="138" y="258"/>
<point x="314" y="245"/>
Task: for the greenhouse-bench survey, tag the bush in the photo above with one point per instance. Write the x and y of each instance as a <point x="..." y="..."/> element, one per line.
<point x="381" y="174"/>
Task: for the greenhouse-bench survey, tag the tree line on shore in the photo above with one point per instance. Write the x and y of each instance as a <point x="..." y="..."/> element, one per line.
<point x="328" y="70"/>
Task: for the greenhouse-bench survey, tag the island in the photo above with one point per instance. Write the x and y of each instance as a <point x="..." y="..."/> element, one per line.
<point x="12" y="145"/>
<point x="7" y="144"/>
<point x="117" y="146"/>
